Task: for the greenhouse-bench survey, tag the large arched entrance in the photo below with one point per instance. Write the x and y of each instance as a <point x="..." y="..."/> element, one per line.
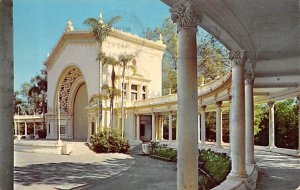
<point x="80" y="120"/>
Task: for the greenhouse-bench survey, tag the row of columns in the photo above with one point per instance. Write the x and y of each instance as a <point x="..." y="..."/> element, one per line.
<point x="17" y="128"/>
<point x="153" y="127"/>
<point x="187" y="172"/>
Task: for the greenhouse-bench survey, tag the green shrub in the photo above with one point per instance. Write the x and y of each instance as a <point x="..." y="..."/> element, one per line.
<point x="163" y="151"/>
<point x="217" y="165"/>
<point x="107" y="140"/>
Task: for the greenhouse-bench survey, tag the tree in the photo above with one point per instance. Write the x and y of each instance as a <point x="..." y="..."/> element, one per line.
<point x="167" y="32"/>
<point x="212" y="58"/>
<point x="123" y="61"/>
<point x="37" y="93"/>
<point x="100" y="31"/>
<point x="110" y="93"/>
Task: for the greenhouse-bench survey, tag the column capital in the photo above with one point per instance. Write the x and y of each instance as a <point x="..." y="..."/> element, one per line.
<point x="238" y="57"/>
<point x="203" y="107"/>
<point x="219" y="103"/>
<point x="249" y="74"/>
<point x="271" y="104"/>
<point x="184" y="15"/>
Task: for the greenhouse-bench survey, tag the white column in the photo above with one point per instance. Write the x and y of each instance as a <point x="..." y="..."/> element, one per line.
<point x="153" y="128"/>
<point x="25" y="128"/>
<point x="138" y="127"/>
<point x="219" y="124"/>
<point x="237" y="115"/>
<point x="6" y="95"/>
<point x="199" y="127"/>
<point x="187" y="165"/>
<point x="162" y="128"/>
<point x="271" y="125"/>
<point x="203" y="130"/>
<point x="249" y="117"/>
<point x="170" y="126"/>
<point x="16" y="128"/>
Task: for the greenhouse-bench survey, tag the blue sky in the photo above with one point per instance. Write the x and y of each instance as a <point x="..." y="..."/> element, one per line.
<point x="38" y="24"/>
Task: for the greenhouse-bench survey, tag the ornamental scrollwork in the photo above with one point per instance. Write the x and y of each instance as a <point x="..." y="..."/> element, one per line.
<point x="66" y="87"/>
<point x="249" y="74"/>
<point x="184" y="15"/>
<point x="238" y="57"/>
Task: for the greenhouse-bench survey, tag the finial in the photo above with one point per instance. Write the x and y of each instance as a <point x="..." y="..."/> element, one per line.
<point x="69" y="27"/>
<point x="100" y="18"/>
<point x="160" y="39"/>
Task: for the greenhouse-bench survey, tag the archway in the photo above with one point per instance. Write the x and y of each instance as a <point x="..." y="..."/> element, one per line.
<point x="80" y="120"/>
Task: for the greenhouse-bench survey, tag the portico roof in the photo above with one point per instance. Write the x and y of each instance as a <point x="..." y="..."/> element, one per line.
<point x="268" y="30"/>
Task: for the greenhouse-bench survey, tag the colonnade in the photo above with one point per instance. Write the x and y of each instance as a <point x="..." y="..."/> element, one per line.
<point x="17" y="127"/>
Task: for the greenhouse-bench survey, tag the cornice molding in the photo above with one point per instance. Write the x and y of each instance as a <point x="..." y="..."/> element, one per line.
<point x="86" y="37"/>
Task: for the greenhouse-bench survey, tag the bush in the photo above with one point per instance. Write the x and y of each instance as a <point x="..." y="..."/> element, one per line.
<point x="217" y="165"/>
<point x="107" y="140"/>
<point x="163" y="151"/>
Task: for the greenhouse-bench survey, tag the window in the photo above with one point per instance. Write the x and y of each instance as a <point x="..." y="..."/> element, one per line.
<point x="133" y="96"/>
<point x="62" y="129"/>
<point x="144" y="88"/>
<point x="134" y="87"/>
<point x="134" y="92"/>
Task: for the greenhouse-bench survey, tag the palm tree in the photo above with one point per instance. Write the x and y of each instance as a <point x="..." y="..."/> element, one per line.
<point x="100" y="31"/>
<point x="123" y="61"/>
<point x="111" y="61"/>
<point x="110" y="93"/>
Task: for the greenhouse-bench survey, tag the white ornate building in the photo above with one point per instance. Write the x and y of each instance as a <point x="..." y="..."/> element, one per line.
<point x="74" y="76"/>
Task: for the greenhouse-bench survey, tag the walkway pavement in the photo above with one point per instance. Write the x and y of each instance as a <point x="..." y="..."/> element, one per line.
<point x="130" y="172"/>
<point x="277" y="172"/>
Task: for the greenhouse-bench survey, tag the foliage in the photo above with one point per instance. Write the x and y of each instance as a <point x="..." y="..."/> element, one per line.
<point x="168" y="31"/>
<point x="212" y="55"/>
<point x="124" y="59"/>
<point x="217" y="165"/>
<point x="32" y="96"/>
<point x="100" y="31"/>
<point x="163" y="151"/>
<point x="286" y="125"/>
<point x="107" y="140"/>
<point x="261" y="125"/>
<point x="213" y="169"/>
<point x="212" y="58"/>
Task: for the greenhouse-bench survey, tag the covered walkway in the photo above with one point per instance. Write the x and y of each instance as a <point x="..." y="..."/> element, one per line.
<point x="277" y="171"/>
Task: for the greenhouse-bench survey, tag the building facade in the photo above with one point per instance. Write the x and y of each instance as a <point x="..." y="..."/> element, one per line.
<point x="74" y="77"/>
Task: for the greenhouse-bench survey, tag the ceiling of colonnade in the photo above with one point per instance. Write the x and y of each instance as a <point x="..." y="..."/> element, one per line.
<point x="268" y="30"/>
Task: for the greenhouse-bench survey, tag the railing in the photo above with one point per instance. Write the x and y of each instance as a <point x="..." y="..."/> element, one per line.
<point x="202" y="91"/>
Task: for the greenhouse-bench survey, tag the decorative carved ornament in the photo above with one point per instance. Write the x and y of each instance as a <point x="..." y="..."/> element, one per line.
<point x="185" y="15"/>
<point x="249" y="74"/>
<point x="238" y="57"/>
<point x="65" y="89"/>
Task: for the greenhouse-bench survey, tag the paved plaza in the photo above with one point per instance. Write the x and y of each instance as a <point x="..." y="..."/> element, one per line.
<point x="128" y="172"/>
<point x="92" y="171"/>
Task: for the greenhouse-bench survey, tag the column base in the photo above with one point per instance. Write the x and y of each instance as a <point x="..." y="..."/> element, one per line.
<point x="232" y="175"/>
<point x="271" y="147"/>
<point x="250" y="162"/>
